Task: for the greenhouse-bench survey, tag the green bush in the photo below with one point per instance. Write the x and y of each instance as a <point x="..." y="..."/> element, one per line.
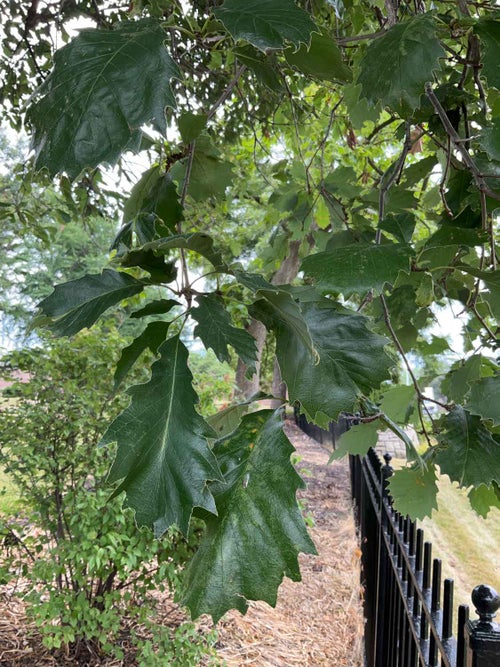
<point x="213" y="380"/>
<point x="90" y="569"/>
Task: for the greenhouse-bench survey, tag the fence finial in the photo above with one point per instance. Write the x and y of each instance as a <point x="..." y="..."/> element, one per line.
<point x="482" y="637"/>
<point x="487" y="602"/>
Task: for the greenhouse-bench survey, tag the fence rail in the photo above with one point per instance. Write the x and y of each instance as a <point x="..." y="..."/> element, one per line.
<point x="408" y="609"/>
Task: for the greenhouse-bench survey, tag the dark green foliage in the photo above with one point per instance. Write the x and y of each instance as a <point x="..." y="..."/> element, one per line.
<point x="329" y="169"/>
<point x="233" y="565"/>
<point x="397" y="65"/>
<point x="163" y="455"/>
<point x="93" y="79"/>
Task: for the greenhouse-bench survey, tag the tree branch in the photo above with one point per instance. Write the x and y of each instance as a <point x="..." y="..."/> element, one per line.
<point x="457" y="140"/>
<point x="393" y="178"/>
<point x="228" y="90"/>
<point x="344" y="41"/>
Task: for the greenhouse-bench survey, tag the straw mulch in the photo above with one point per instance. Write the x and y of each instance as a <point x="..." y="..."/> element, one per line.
<point x="316" y="622"/>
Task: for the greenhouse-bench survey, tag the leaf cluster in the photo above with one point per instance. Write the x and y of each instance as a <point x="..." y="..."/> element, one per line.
<point x="328" y="173"/>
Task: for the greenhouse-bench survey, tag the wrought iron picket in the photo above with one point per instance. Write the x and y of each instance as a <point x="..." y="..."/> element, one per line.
<point x="408" y="609"/>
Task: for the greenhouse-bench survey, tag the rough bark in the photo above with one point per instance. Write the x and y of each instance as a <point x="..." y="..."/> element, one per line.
<point x="391" y="8"/>
<point x="247" y="387"/>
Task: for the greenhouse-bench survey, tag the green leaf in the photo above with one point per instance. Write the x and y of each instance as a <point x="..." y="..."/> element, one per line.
<point x="401" y="226"/>
<point x="484" y="399"/>
<point x="104" y="86"/>
<point x="266" y="25"/>
<point x="360" y="111"/>
<point x="342" y="182"/>
<point x="156" y="193"/>
<point x="261" y="65"/>
<point x="152" y="337"/>
<point x="281" y="303"/>
<point x="397" y="65"/>
<point x="158" y="307"/>
<point x="483" y="498"/>
<point x="225" y="421"/>
<point x="216" y="330"/>
<point x="357" y="268"/>
<point x="490" y="139"/>
<point x="398" y="403"/>
<point x="255" y="282"/>
<point x="357" y="440"/>
<point x="209" y="175"/>
<point x="160" y="270"/>
<point x="163" y="458"/>
<point x="436" y="346"/>
<point x="142" y="228"/>
<point x="352" y="360"/>
<point x="491" y="280"/>
<point x="467" y="452"/>
<point x="456" y="384"/>
<point x="321" y="60"/>
<point x="419" y="170"/>
<point x="414" y="491"/>
<point x="411" y="451"/>
<point x="79" y="303"/>
<point x="191" y="125"/>
<point x="424" y="296"/>
<point x="488" y="30"/>
<point x="448" y="234"/>
<point x="235" y="562"/>
<point x="197" y="242"/>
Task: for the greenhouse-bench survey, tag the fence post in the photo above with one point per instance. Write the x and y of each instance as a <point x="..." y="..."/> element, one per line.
<point x="387" y="471"/>
<point x="482" y="637"/>
<point x="382" y="603"/>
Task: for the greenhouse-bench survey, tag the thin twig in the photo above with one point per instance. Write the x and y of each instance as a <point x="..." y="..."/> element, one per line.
<point x="481" y="319"/>
<point x="454" y="136"/>
<point x="33" y="58"/>
<point x="393" y="178"/>
<point x="185" y="185"/>
<point x="422" y="423"/>
<point x="297" y="136"/>
<point x="397" y="343"/>
<point x="343" y="41"/>
<point x="379" y="127"/>
<point x="322" y="144"/>
<point x="442" y="183"/>
<point x="420" y="394"/>
<point x="387" y="319"/>
<point x="228" y="90"/>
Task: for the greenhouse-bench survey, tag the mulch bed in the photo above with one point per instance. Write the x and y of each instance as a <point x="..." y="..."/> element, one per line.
<point x="316" y="622"/>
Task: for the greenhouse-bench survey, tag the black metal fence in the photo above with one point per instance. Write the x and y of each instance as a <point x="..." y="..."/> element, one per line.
<point x="409" y="612"/>
<point x="325" y="437"/>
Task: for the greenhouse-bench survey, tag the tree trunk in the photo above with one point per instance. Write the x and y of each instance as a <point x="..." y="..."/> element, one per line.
<point x="245" y="388"/>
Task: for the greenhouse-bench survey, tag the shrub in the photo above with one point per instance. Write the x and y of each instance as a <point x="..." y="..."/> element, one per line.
<point x="90" y="570"/>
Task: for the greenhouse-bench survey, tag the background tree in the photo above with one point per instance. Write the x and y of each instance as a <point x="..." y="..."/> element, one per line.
<point x="359" y="139"/>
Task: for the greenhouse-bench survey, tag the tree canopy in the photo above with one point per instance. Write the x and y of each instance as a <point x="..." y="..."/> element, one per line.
<point x="323" y="170"/>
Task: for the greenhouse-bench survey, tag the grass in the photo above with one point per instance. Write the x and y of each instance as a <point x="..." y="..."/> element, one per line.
<point x="467" y="544"/>
<point x="9" y="496"/>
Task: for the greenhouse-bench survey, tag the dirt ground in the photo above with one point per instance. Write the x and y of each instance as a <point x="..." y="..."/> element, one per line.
<point x="316" y="622"/>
